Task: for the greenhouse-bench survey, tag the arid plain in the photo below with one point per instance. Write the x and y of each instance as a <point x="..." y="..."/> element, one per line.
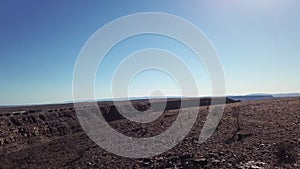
<point x="50" y="136"/>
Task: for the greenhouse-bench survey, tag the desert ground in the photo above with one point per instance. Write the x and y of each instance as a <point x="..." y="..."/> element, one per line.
<point x="50" y="136"/>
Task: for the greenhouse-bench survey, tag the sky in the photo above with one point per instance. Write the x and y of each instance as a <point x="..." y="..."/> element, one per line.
<point x="257" y="42"/>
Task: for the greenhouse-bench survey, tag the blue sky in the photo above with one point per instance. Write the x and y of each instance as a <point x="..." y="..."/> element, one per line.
<point x="257" y="41"/>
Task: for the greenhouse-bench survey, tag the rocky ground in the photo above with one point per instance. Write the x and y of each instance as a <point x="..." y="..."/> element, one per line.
<point x="50" y="136"/>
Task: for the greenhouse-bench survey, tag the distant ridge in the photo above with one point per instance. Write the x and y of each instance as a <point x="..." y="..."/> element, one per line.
<point x="287" y="95"/>
<point x="255" y="96"/>
<point x="251" y="97"/>
<point x="109" y="100"/>
<point x="262" y="96"/>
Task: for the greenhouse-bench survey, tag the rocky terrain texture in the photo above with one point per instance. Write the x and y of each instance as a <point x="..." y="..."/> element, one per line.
<point x="50" y="136"/>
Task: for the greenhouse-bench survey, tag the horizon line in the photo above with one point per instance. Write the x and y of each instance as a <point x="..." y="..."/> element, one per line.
<point x="145" y="97"/>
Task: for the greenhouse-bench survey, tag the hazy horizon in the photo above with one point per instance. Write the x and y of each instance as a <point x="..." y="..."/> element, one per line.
<point x="144" y="97"/>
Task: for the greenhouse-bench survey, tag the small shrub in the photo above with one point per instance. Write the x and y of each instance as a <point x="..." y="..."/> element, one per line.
<point x="15" y="121"/>
<point x="7" y="114"/>
<point x="31" y="111"/>
<point x="286" y="153"/>
<point x="236" y="114"/>
<point x="42" y="117"/>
